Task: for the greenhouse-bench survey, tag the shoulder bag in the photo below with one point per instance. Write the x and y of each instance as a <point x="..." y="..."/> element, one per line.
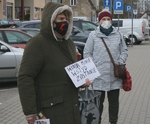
<point x="119" y="70"/>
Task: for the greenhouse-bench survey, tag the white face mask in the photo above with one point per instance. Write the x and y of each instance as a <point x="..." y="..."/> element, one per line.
<point x="106" y="24"/>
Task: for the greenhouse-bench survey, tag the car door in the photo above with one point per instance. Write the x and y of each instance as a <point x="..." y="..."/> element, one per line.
<point x="7" y="63"/>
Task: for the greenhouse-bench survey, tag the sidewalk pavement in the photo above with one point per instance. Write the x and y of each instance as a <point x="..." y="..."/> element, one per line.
<point x="134" y="105"/>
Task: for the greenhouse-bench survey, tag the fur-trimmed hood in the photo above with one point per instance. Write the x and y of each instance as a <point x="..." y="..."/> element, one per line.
<point x="50" y="11"/>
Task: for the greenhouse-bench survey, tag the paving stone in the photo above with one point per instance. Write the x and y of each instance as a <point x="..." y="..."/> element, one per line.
<point x="134" y="105"/>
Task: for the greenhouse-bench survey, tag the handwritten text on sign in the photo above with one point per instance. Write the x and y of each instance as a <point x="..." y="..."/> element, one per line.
<point x="81" y="70"/>
<point x="42" y="121"/>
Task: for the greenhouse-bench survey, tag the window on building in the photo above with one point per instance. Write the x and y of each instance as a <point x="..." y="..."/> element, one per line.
<point x="9" y="11"/>
<point x="59" y="1"/>
<point x="72" y="2"/>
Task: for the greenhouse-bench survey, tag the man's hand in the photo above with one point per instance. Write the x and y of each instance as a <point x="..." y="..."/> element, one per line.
<point x="88" y="83"/>
<point x="31" y="119"/>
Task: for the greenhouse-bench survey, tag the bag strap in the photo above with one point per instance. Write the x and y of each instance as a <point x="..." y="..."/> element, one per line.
<point x="87" y="91"/>
<point x="109" y="53"/>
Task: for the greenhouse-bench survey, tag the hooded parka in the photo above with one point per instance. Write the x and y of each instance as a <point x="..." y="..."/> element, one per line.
<point x="44" y="86"/>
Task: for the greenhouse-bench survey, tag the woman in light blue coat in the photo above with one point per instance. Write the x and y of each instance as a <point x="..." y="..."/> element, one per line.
<point x="95" y="49"/>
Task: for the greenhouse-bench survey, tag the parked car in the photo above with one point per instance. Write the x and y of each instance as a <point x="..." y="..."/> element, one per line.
<point x="140" y="29"/>
<point x="80" y="17"/>
<point x="31" y="31"/>
<point x="8" y="25"/>
<point x="80" y="31"/>
<point x="14" y="21"/>
<point x="29" y="24"/>
<point x="82" y="24"/>
<point x="85" y="25"/>
<point x="14" y="37"/>
<point x="3" y="22"/>
<point x="78" y="34"/>
<point x="10" y="59"/>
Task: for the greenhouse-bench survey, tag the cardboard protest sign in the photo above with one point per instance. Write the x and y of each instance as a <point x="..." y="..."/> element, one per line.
<point x="81" y="70"/>
<point x="42" y="121"/>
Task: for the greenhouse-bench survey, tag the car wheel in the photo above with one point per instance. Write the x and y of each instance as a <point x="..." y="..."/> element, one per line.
<point x="134" y="39"/>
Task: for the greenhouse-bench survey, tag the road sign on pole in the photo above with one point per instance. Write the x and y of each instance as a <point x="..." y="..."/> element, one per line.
<point x="135" y="11"/>
<point x="118" y="7"/>
<point x="107" y="4"/>
<point x="128" y="8"/>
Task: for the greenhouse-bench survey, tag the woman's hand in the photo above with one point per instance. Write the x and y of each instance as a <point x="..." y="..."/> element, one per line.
<point x="87" y="84"/>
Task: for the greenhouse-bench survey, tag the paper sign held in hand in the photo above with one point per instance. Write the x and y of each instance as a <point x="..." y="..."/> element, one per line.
<point x="42" y="121"/>
<point x="81" y="70"/>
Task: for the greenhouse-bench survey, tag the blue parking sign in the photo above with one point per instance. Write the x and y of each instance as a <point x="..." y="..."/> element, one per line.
<point x="118" y="7"/>
<point x="128" y="8"/>
<point x="107" y="4"/>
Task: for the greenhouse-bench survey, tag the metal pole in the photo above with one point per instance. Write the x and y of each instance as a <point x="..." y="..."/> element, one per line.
<point x="22" y="10"/>
<point x="132" y="21"/>
<point x="128" y="15"/>
<point x="111" y="7"/>
<point x="118" y="22"/>
<point x="147" y="8"/>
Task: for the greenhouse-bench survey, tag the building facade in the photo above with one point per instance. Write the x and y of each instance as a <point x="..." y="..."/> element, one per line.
<point x="7" y="9"/>
<point x="80" y="7"/>
<point x="87" y="8"/>
<point x="32" y="7"/>
<point x="12" y="9"/>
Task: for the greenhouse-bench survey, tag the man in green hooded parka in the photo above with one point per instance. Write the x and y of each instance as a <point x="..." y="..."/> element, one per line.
<point x="45" y="88"/>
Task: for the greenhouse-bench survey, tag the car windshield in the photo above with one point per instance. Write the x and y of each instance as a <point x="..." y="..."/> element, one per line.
<point x="88" y="26"/>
